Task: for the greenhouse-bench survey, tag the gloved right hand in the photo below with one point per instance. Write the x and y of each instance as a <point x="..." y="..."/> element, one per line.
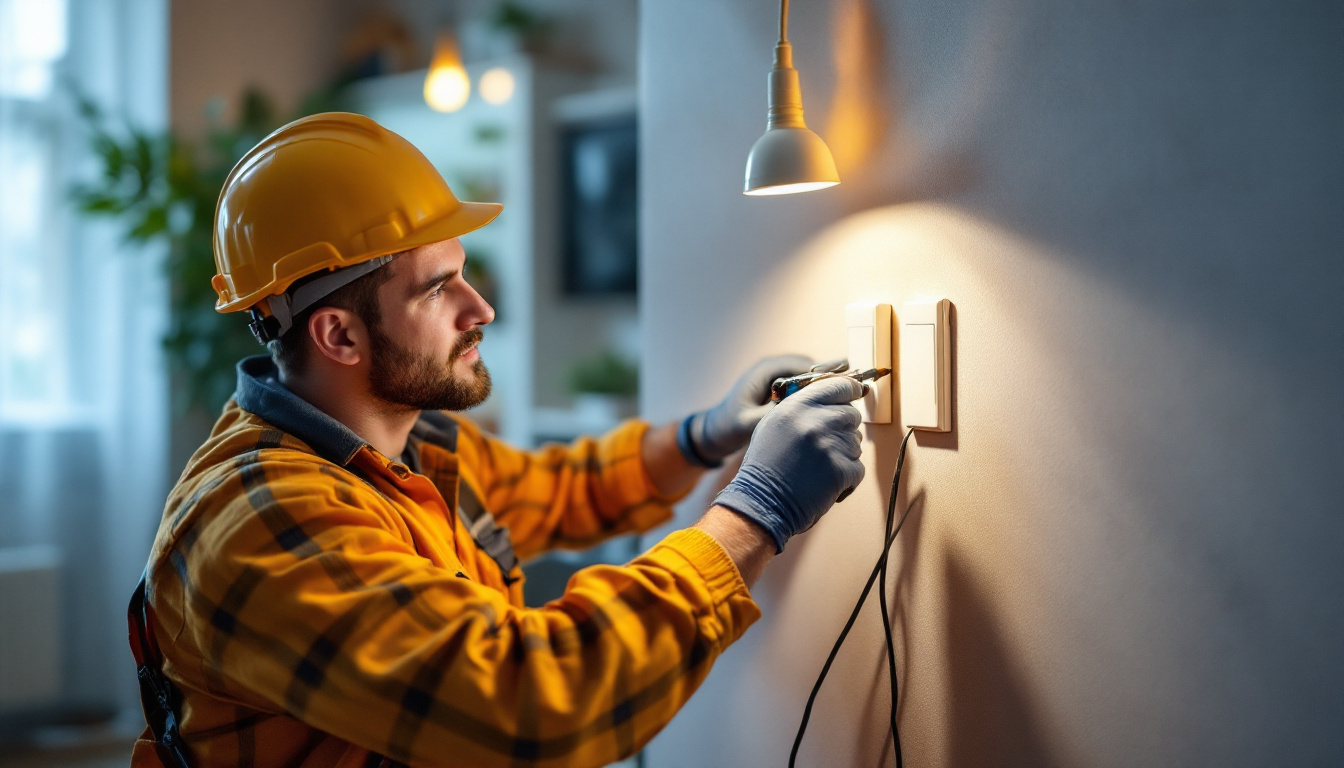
<point x="802" y="458"/>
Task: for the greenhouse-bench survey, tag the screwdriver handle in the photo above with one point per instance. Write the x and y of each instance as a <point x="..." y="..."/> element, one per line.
<point x="782" y="388"/>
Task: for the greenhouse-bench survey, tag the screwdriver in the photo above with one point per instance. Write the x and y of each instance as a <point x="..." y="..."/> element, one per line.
<point x="784" y="387"/>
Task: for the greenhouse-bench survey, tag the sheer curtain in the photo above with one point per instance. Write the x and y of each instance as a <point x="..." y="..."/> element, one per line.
<point x="83" y="392"/>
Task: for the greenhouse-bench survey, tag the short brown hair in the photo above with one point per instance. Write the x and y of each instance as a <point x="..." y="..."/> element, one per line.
<point x="360" y="296"/>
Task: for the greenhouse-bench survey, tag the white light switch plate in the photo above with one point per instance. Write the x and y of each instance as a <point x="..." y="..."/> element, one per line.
<point x="868" y="333"/>
<point x="926" y="365"/>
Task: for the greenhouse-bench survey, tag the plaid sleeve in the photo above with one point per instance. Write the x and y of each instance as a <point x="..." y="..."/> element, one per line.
<point x="570" y="496"/>
<point x="304" y="598"/>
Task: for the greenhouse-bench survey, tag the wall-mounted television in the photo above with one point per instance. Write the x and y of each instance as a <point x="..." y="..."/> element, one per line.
<point x="599" y="206"/>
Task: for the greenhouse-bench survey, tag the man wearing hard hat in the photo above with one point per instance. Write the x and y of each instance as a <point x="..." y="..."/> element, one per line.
<point x="335" y="580"/>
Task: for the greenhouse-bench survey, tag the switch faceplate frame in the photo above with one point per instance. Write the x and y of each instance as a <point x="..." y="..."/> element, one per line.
<point x="926" y="365"/>
<point x="868" y="333"/>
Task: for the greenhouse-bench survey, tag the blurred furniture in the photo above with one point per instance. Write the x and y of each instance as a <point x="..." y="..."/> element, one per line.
<point x="30" y="640"/>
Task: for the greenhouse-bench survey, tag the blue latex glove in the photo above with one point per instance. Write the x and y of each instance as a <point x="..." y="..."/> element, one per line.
<point x="803" y="458"/>
<point x="706" y="438"/>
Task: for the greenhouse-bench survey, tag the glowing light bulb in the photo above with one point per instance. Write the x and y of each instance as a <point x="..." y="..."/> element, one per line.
<point x="447" y="85"/>
<point x="497" y="85"/>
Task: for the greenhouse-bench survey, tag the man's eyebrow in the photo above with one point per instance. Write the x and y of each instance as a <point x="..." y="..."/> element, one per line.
<point x="435" y="282"/>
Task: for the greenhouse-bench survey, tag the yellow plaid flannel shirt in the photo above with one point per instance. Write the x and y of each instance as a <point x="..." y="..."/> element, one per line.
<point x="320" y="604"/>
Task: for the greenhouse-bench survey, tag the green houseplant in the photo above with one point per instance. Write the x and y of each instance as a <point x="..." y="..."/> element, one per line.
<point x="163" y="189"/>
<point x="606" y="374"/>
<point x="605" y="387"/>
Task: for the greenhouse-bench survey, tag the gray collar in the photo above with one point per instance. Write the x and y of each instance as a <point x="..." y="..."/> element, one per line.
<point x="260" y="392"/>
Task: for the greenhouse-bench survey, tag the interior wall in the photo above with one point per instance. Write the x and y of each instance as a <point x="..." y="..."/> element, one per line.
<point x="292" y="48"/>
<point x="288" y="49"/>
<point x="1127" y="550"/>
<point x="593" y="36"/>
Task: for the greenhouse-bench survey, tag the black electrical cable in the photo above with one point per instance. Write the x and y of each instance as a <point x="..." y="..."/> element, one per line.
<point x="879" y="570"/>
<point x="886" y="616"/>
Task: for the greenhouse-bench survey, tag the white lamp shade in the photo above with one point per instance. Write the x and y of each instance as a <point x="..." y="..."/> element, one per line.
<point x="787" y="160"/>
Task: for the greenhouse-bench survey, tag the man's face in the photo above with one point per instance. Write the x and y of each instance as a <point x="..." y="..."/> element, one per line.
<point x="424" y="354"/>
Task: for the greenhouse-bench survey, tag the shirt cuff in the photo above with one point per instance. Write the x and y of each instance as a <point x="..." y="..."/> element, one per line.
<point x="696" y="554"/>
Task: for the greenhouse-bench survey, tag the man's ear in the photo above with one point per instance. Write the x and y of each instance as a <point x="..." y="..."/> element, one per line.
<point x="338" y="334"/>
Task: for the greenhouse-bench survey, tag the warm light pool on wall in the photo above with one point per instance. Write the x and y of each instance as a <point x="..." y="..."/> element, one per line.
<point x="788" y="158"/>
<point x="447" y="85"/>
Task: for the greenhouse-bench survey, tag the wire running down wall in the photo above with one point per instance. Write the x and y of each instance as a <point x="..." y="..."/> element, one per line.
<point x="1126" y="551"/>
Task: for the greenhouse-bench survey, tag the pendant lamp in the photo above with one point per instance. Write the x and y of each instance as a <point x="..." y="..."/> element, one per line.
<point x="447" y="86"/>
<point x="788" y="158"/>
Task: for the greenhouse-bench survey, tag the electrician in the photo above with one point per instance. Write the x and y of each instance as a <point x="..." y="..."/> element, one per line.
<point x="335" y="580"/>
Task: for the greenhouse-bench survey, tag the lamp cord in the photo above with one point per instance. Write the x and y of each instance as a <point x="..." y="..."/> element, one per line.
<point x="879" y="570"/>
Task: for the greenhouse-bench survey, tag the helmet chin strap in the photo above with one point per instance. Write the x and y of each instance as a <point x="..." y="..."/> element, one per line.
<point x="284" y="307"/>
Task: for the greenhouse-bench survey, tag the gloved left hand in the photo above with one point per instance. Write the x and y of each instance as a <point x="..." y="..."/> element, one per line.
<point x="707" y="437"/>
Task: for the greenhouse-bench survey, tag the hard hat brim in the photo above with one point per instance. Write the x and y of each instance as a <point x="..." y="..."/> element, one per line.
<point x="468" y="217"/>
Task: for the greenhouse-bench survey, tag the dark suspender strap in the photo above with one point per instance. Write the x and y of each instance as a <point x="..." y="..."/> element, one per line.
<point x="489" y="535"/>
<point x="437" y="428"/>
<point x="158" y="698"/>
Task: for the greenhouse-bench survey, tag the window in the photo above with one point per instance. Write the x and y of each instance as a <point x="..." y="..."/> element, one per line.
<point x="34" y="334"/>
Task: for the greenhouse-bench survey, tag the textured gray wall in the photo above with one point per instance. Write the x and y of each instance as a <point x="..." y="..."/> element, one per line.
<point x="1129" y="550"/>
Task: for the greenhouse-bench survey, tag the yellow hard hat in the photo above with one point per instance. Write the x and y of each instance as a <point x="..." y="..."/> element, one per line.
<point x="325" y="193"/>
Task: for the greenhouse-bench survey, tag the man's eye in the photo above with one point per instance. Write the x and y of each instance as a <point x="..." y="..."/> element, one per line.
<point x="436" y="291"/>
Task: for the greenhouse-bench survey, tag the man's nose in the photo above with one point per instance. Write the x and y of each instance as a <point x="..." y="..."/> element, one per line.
<point x="478" y="311"/>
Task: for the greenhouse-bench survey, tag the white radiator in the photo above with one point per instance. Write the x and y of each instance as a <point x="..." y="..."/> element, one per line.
<point x="30" y="647"/>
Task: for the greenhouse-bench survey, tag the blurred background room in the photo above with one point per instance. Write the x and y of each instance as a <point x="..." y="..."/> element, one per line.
<point x="1125" y="552"/>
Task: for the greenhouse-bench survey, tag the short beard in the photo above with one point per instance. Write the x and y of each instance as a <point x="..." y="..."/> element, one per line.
<point x="418" y="382"/>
